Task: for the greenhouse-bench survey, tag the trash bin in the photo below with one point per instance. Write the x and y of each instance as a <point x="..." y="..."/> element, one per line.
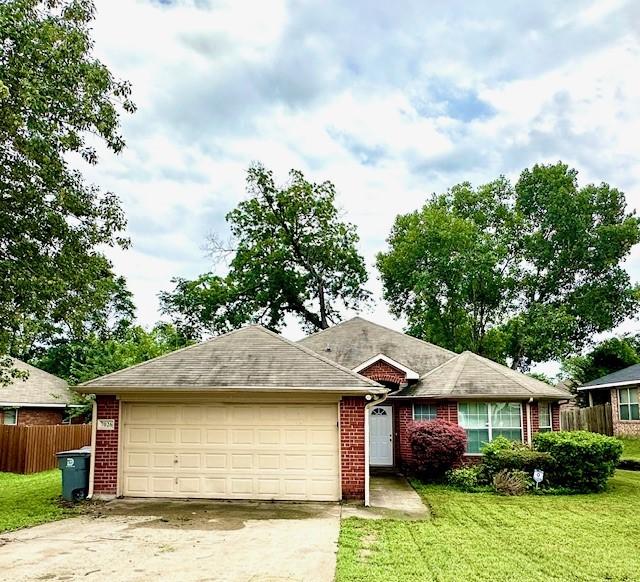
<point x="75" y="473"/>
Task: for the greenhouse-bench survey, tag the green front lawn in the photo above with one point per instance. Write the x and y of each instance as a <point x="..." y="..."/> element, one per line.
<point x="631" y="448"/>
<point x="485" y="537"/>
<point x="27" y="500"/>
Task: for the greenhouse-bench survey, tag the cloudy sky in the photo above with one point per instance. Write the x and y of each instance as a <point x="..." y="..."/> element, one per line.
<point x="389" y="100"/>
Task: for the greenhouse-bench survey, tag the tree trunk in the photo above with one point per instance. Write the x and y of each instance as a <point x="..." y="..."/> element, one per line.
<point x="323" y="307"/>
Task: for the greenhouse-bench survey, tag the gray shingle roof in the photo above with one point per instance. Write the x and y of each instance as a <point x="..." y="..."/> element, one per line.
<point x="356" y="340"/>
<point x="248" y="358"/>
<point x="39" y="388"/>
<point x="630" y="375"/>
<point x="468" y="375"/>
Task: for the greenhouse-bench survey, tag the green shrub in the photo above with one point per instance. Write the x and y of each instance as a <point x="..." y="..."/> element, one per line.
<point x="464" y="478"/>
<point x="503" y="454"/>
<point x="511" y="482"/>
<point x="584" y="461"/>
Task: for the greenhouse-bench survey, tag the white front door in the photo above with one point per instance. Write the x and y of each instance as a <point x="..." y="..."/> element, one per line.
<point x="381" y="436"/>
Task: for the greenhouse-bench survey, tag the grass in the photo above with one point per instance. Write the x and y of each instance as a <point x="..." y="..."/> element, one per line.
<point x="631" y="448"/>
<point x="27" y="500"/>
<point x="484" y="537"/>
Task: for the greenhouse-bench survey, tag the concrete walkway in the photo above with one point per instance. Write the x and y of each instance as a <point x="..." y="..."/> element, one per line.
<point x="390" y="497"/>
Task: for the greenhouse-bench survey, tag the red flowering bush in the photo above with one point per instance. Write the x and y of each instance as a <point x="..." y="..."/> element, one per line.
<point x="437" y="446"/>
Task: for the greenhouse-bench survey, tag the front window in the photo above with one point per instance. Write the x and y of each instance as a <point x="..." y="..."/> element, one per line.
<point x="10" y="416"/>
<point x="629" y="404"/>
<point x="544" y="417"/>
<point x="424" y="412"/>
<point x="484" y="421"/>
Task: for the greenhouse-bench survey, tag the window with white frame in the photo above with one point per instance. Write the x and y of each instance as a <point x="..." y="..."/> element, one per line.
<point x="544" y="416"/>
<point x="424" y="412"/>
<point x="628" y="398"/>
<point x="10" y="416"/>
<point x="484" y="421"/>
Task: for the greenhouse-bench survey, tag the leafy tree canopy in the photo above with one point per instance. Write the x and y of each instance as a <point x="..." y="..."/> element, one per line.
<point x="521" y="274"/>
<point x="53" y="95"/>
<point x="78" y="361"/>
<point x="291" y="254"/>
<point x="605" y="358"/>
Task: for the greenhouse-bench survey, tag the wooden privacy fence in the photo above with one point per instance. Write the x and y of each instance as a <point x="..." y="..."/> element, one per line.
<point x="29" y="449"/>
<point x="595" y="419"/>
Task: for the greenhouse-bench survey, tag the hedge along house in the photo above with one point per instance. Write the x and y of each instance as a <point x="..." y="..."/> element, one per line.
<point x="622" y="390"/>
<point x="246" y="415"/>
<point x="41" y="398"/>
<point x="428" y="382"/>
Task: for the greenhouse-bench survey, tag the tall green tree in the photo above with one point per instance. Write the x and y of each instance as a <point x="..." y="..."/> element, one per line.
<point x="291" y="254"/>
<point x="521" y="274"/>
<point x="54" y="95"/>
<point x="605" y="358"/>
<point x="95" y="355"/>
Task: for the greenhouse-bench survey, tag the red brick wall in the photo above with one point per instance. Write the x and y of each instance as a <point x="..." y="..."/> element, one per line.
<point x="352" y="447"/>
<point x="381" y="371"/>
<point x="535" y="418"/>
<point x="33" y="416"/>
<point x="106" y="463"/>
<point x="555" y="416"/>
<point x="404" y="417"/>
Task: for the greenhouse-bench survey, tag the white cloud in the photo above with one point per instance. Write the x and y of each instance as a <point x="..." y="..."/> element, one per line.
<point x="390" y="102"/>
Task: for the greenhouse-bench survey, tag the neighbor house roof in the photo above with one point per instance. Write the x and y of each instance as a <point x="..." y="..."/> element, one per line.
<point x="630" y="375"/>
<point x="468" y="375"/>
<point x="39" y="389"/>
<point x="251" y="358"/>
<point x="356" y="340"/>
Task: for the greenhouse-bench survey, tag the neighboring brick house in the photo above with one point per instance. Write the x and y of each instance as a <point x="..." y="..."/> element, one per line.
<point x="40" y="399"/>
<point x="251" y="415"/>
<point x="622" y="390"/>
<point x="428" y="382"/>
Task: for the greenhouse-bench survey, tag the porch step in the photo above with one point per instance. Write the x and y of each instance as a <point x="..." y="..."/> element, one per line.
<point x="383" y="471"/>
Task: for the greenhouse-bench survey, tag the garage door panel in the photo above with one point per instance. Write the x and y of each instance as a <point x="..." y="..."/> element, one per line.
<point x="242" y="462"/>
<point x="268" y="462"/>
<point x="166" y="414"/>
<point x="216" y="436"/>
<point x="233" y="451"/>
<point x="244" y="436"/>
<point x="164" y="435"/>
<point x="190" y="436"/>
<point x="161" y="486"/>
<point x="269" y="437"/>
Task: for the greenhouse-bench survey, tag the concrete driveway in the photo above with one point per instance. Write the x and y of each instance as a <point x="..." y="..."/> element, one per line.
<point x="179" y="540"/>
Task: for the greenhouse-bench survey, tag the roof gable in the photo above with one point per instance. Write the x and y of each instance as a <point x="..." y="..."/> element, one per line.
<point x="357" y="340"/>
<point x="409" y="373"/>
<point x="469" y="375"/>
<point x="248" y="358"/>
<point x="39" y="388"/>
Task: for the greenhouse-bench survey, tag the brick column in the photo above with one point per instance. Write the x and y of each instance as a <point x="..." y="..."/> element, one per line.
<point x="352" y="447"/>
<point x="106" y="462"/>
<point x="405" y="417"/>
<point x="535" y="418"/>
<point x="555" y="416"/>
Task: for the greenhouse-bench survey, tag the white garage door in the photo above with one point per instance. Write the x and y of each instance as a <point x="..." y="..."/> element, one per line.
<point x="231" y="451"/>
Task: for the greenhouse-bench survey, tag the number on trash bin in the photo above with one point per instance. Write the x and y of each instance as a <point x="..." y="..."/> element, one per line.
<point x="70" y="462"/>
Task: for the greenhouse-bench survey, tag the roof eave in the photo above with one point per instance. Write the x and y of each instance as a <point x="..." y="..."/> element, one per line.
<point x="350" y="390"/>
<point x="609" y="385"/>
<point x="11" y="404"/>
<point x="496" y="397"/>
